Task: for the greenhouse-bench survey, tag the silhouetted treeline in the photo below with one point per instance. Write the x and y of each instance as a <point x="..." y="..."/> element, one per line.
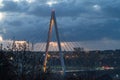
<point x="27" y="65"/>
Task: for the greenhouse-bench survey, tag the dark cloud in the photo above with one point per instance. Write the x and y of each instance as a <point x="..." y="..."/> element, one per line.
<point x="78" y="20"/>
<point x="11" y="6"/>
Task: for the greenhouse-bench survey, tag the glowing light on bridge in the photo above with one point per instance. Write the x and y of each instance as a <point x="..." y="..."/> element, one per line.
<point x="48" y="55"/>
<point x="52" y="22"/>
<point x="54" y="44"/>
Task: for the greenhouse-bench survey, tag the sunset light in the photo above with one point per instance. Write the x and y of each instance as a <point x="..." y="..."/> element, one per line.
<point x="1" y="16"/>
<point x="1" y="39"/>
<point x="51" y="3"/>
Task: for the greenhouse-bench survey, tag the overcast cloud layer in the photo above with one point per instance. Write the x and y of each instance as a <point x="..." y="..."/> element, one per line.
<point x="78" y="20"/>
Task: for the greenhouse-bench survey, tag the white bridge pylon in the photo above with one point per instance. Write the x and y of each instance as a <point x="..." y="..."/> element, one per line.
<point x="53" y="22"/>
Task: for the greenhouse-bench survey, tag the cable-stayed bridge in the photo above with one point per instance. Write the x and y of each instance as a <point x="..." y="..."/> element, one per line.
<point x="66" y="46"/>
<point x="59" y="55"/>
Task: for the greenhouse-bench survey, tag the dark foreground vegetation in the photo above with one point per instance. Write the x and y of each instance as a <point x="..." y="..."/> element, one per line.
<point x="27" y="65"/>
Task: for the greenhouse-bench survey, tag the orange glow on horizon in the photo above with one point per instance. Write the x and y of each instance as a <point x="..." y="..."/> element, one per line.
<point x="54" y="44"/>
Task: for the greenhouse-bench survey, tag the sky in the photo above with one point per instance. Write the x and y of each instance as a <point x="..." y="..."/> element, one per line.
<point x="95" y="23"/>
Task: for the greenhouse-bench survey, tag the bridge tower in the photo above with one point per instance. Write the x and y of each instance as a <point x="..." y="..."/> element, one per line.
<point x="53" y="22"/>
